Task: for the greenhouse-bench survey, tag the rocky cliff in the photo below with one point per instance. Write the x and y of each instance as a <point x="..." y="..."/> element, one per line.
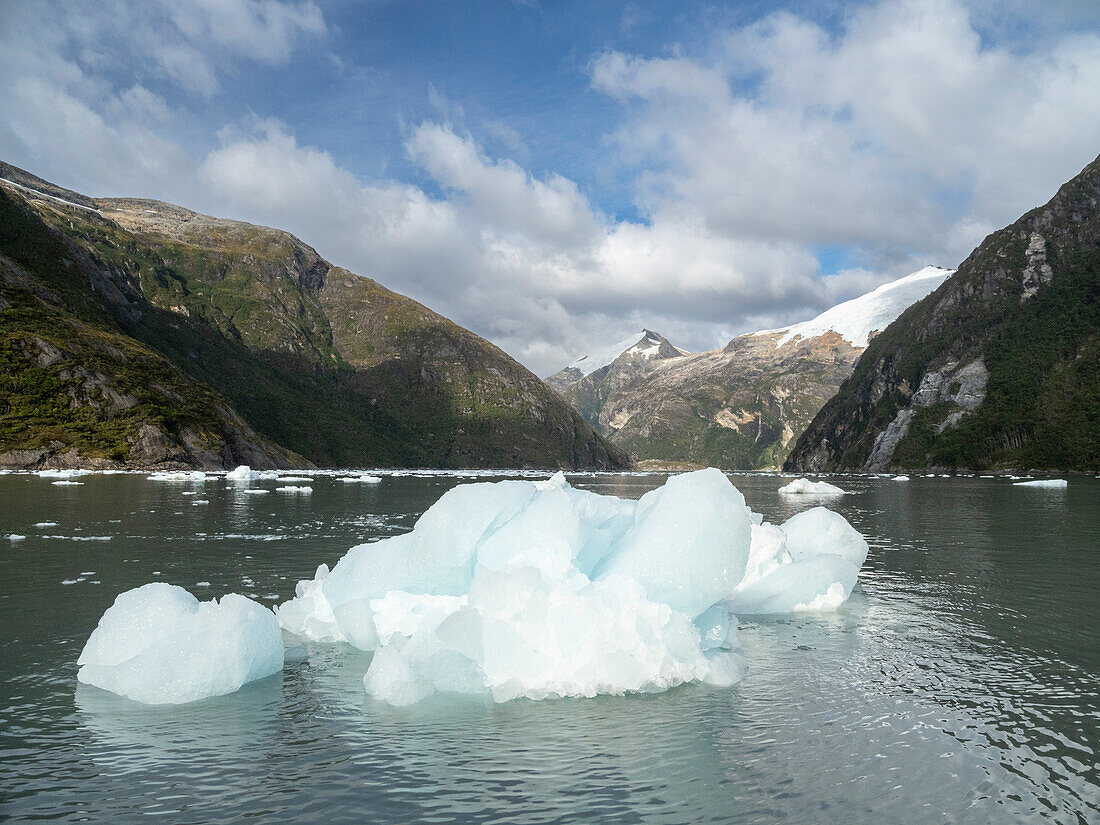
<point x="998" y="368"/>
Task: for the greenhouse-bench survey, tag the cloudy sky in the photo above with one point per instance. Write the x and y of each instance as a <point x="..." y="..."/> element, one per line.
<point x="557" y="174"/>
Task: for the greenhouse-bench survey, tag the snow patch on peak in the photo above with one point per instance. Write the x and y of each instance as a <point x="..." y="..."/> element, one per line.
<point x="645" y="343"/>
<point x="856" y="319"/>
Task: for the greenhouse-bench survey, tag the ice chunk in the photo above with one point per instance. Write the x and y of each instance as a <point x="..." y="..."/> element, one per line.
<point x="158" y="644"/>
<point x="362" y="479"/>
<point x="243" y="473"/>
<point x="1047" y="483"/>
<point x="67" y="483"/>
<point x="534" y="589"/>
<point x="193" y="477"/>
<point x="815" y="570"/>
<point x="256" y="492"/>
<point x="900" y="478"/>
<point x="45" y="524"/>
<point x="62" y="473"/>
<point x="16" y="537"/>
<point x="803" y="486"/>
<point x="292" y="489"/>
<point x="294" y="479"/>
<point x="689" y="543"/>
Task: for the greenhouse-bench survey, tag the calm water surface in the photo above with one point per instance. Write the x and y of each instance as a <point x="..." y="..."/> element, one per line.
<point x="959" y="684"/>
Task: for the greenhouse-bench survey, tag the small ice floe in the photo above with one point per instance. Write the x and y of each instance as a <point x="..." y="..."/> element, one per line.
<point x="364" y="478"/>
<point x="900" y="478"/>
<point x="67" y="483"/>
<point x="1045" y="483"/>
<point x="805" y="487"/>
<point x="16" y="537"/>
<point x="186" y="476"/>
<point x="241" y="473"/>
<point x="255" y="492"/>
<point x="71" y="581"/>
<point x="45" y="524"/>
<point x="62" y="473"/>
<point x="199" y="501"/>
<point x="294" y="479"/>
<point x="292" y="489"/>
<point x="158" y="645"/>
<point x="79" y="538"/>
<point x="202" y="584"/>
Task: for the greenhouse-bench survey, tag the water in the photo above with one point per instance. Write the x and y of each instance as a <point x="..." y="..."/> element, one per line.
<point x="959" y="683"/>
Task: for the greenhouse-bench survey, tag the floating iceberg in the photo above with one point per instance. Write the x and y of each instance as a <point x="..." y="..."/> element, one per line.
<point x="365" y="478"/>
<point x="900" y="478"/>
<point x="242" y="473"/>
<point x="535" y="589"/>
<point x="67" y="483"/>
<point x="1048" y="483"/>
<point x="290" y="488"/>
<point x="192" y="476"/>
<point x="805" y="487"/>
<point x="158" y="644"/>
<point x="62" y="473"/>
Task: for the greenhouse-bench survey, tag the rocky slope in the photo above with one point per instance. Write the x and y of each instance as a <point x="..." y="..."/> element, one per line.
<point x="740" y="407"/>
<point x="998" y="368"/>
<point x="140" y="333"/>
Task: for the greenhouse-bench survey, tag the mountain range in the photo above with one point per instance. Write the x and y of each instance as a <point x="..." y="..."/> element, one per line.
<point x="738" y="407"/>
<point x="135" y="333"/>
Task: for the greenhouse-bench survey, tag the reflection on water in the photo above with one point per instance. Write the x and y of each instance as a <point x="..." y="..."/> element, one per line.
<point x="959" y="684"/>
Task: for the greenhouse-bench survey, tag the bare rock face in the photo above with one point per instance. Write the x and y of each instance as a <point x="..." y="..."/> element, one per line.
<point x="996" y="368"/>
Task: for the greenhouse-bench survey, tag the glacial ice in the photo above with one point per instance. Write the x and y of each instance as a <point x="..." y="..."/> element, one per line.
<point x="158" y="644"/>
<point x="900" y="478"/>
<point x="191" y="476"/>
<point x="364" y="478"/>
<point x="1047" y="483"/>
<point x="290" y="488"/>
<point x="534" y="589"/>
<point x="803" y="486"/>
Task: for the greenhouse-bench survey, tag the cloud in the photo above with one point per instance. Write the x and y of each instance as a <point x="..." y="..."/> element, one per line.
<point x="901" y="137"/>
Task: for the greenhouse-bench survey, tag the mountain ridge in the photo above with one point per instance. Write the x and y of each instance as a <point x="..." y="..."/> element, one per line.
<point x="320" y="364"/>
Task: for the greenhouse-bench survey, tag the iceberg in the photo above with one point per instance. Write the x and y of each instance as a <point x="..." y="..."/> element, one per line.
<point x="290" y="488"/>
<point x="158" y="644"/>
<point x="365" y="478"/>
<point x="900" y="478"/>
<point x="1046" y="483"/>
<point x="805" y="487"/>
<point x="535" y="589"/>
<point x="192" y="476"/>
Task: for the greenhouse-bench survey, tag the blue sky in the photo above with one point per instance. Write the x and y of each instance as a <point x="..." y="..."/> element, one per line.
<point x="554" y="175"/>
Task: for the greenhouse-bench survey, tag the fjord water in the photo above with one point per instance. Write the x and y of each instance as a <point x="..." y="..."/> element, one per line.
<point x="959" y="683"/>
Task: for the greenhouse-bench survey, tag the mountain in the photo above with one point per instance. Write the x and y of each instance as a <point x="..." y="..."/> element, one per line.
<point x="998" y="368"/>
<point x="739" y="407"/>
<point x="138" y="333"/>
<point x="636" y="350"/>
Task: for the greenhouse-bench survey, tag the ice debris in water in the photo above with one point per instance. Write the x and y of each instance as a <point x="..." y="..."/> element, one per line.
<point x="244" y="473"/>
<point x="535" y="589"/>
<point x="67" y="483"/>
<point x="61" y="473"/>
<point x="193" y="476"/>
<point x="158" y="644"/>
<point x="1048" y="483"/>
<point x="364" y="478"/>
<point x="803" y="486"/>
<point x="900" y="478"/>
<point x="290" y="488"/>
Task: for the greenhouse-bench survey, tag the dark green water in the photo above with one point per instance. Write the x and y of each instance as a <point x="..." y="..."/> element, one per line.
<point x="959" y="684"/>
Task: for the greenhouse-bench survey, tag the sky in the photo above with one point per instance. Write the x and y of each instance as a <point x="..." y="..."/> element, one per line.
<point x="557" y="175"/>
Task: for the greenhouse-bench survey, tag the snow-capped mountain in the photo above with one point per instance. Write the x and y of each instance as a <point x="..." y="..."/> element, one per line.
<point x="857" y="319"/>
<point x="644" y="345"/>
<point x="741" y="406"/>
